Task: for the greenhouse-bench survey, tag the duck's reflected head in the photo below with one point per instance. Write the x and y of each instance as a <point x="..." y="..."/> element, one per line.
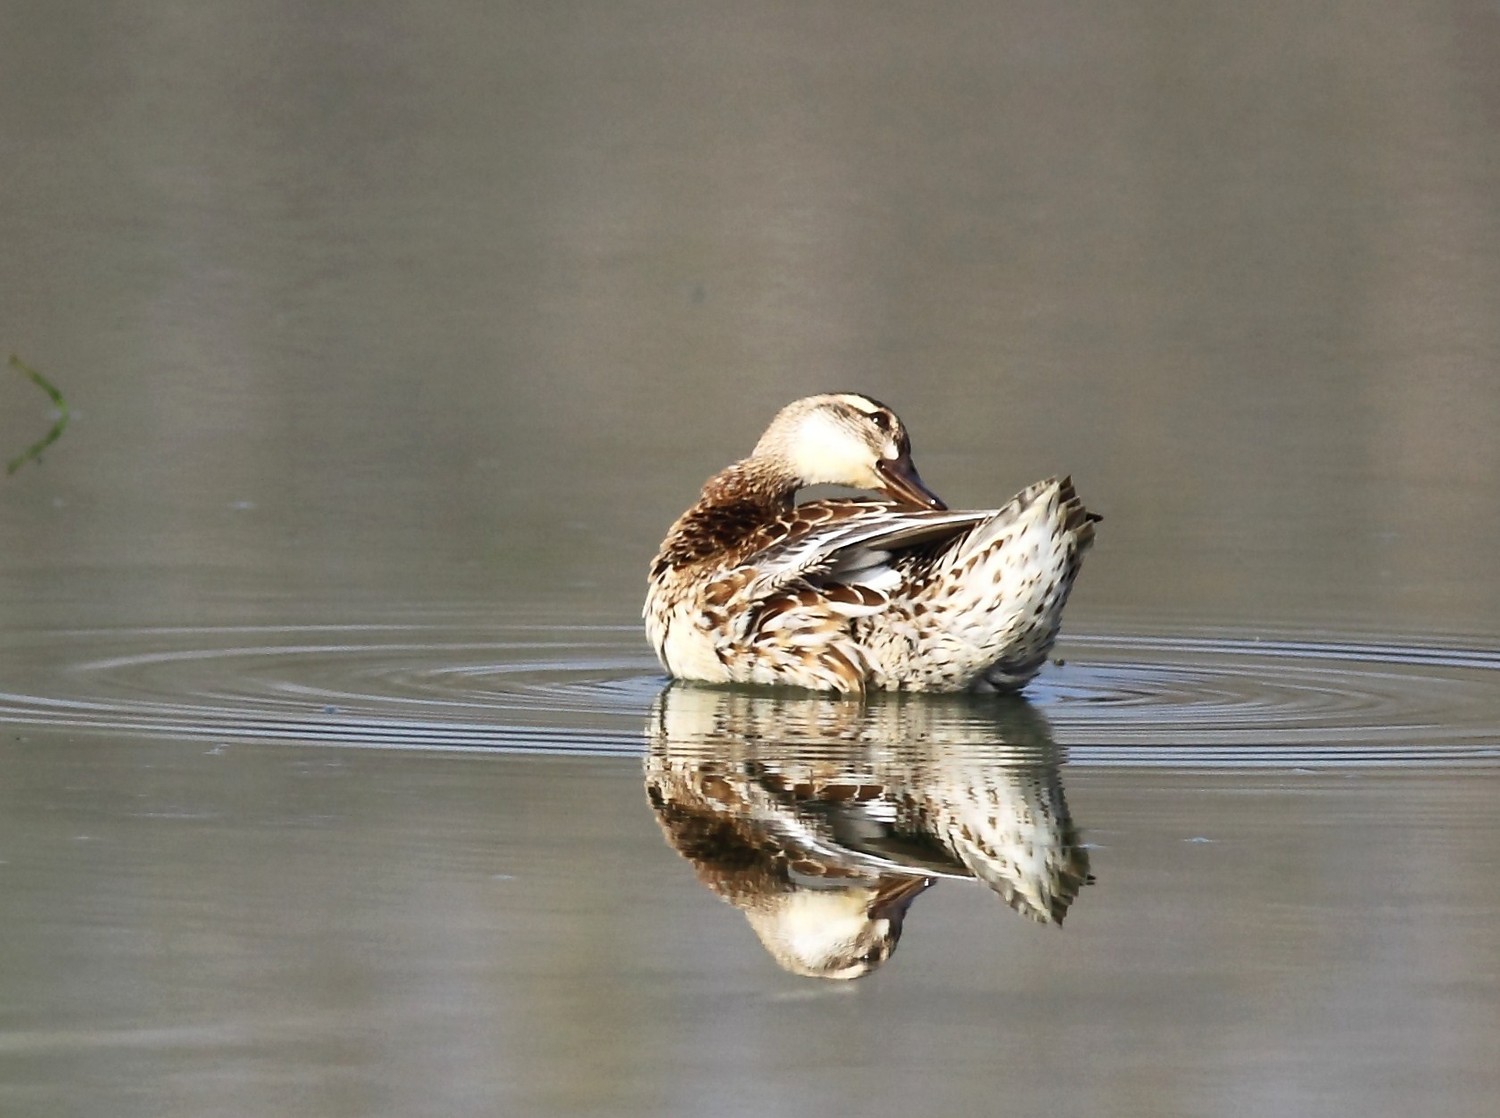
<point x="838" y="933"/>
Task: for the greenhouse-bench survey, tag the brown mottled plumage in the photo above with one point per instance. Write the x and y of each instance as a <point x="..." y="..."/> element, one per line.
<point x="855" y="594"/>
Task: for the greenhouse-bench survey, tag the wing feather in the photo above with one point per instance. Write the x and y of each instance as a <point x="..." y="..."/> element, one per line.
<point x="851" y="549"/>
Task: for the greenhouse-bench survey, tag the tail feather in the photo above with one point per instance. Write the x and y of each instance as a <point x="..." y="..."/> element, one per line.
<point x="1076" y="519"/>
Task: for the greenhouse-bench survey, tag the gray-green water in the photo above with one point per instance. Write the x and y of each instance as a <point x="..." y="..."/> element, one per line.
<point x="395" y="335"/>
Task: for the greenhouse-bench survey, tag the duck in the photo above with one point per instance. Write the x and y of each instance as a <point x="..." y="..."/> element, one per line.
<point x="893" y="592"/>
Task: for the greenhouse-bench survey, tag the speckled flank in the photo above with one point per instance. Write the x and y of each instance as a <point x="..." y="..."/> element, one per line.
<point x="986" y="612"/>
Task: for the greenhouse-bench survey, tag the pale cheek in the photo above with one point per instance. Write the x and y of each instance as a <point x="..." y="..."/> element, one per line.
<point x="827" y="462"/>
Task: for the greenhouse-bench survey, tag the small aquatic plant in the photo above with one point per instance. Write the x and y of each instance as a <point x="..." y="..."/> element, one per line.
<point x="35" y="450"/>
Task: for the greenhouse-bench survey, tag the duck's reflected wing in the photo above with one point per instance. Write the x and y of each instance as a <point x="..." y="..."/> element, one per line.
<point x="858" y="816"/>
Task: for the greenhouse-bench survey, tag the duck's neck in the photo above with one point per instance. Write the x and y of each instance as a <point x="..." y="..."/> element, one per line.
<point x="735" y="503"/>
<point x="751" y="481"/>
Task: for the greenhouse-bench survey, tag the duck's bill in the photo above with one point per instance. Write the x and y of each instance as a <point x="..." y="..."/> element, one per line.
<point x="893" y="899"/>
<point x="902" y="482"/>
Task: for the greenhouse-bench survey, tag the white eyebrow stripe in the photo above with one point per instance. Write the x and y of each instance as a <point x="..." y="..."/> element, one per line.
<point x="860" y="403"/>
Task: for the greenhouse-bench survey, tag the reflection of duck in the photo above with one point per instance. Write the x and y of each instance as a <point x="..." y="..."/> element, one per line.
<point x="823" y="820"/>
<point x="854" y="595"/>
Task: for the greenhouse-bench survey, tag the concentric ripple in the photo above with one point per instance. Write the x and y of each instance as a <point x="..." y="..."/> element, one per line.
<point x="409" y="687"/>
<point x="1222" y="698"/>
<point x="1227" y="696"/>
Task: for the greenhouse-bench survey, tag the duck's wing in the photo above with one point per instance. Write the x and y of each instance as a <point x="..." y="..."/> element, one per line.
<point x="784" y="608"/>
<point x="849" y="543"/>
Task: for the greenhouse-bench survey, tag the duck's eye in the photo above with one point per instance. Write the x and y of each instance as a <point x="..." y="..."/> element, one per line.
<point x="882" y="421"/>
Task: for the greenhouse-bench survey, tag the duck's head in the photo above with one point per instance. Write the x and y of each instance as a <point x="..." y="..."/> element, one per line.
<point x="846" y="439"/>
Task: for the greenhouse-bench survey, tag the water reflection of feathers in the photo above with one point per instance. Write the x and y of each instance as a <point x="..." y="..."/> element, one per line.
<point x="823" y="819"/>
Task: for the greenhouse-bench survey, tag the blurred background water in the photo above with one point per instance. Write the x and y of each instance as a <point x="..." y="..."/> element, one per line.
<point x="394" y="336"/>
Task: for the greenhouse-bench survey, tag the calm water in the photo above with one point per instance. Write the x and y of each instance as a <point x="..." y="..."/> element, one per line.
<point x="337" y="777"/>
